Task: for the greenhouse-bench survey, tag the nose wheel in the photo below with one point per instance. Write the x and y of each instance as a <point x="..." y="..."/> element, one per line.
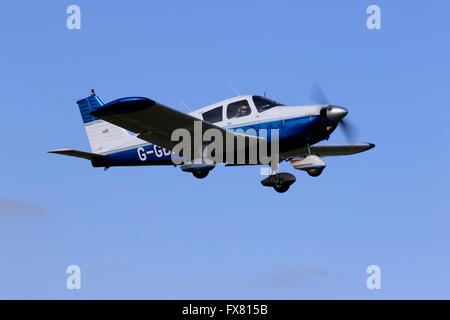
<point x="200" y="174"/>
<point x="281" y="189"/>
<point x="280" y="181"/>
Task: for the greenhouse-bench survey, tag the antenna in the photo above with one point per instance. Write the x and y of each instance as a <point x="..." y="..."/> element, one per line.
<point x="234" y="89"/>
<point x="184" y="104"/>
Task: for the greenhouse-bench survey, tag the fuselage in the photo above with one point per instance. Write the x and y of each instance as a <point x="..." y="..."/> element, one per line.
<point x="298" y="126"/>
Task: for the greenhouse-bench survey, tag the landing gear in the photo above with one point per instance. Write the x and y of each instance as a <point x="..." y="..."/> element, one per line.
<point x="199" y="171"/>
<point x="312" y="164"/>
<point x="280" y="181"/>
<point x="281" y="189"/>
<point x="200" y="174"/>
<point x="314" y="172"/>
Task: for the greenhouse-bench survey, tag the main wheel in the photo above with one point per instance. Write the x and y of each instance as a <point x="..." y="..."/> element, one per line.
<point x="282" y="188"/>
<point x="314" y="172"/>
<point x="200" y="174"/>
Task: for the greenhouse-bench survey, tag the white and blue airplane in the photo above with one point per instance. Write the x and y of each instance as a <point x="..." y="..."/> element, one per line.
<point x="136" y="131"/>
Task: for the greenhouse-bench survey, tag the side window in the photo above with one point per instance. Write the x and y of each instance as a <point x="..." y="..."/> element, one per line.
<point x="213" y="115"/>
<point x="238" y="109"/>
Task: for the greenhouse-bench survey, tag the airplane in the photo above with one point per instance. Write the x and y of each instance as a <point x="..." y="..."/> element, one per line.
<point x="136" y="131"/>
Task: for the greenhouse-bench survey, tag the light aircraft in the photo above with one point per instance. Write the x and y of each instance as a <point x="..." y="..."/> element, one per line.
<point x="136" y="131"/>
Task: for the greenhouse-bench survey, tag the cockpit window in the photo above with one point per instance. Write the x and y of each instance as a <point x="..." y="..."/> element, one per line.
<point x="214" y="115"/>
<point x="262" y="104"/>
<point x="238" y="109"/>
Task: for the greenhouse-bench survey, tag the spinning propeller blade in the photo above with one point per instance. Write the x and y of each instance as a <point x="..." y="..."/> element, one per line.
<point x="349" y="130"/>
<point x="318" y="96"/>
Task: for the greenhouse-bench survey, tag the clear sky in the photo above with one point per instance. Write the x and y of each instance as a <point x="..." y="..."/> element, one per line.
<point x="157" y="232"/>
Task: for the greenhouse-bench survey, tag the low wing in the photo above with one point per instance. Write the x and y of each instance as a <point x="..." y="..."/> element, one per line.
<point x="325" y="150"/>
<point x="78" y="154"/>
<point x="152" y="121"/>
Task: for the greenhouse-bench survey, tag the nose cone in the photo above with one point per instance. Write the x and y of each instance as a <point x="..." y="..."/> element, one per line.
<point x="335" y="113"/>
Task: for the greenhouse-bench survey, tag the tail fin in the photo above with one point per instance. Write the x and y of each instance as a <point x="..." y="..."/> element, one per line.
<point x="103" y="136"/>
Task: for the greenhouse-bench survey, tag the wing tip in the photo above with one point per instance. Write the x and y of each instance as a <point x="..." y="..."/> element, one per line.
<point x="123" y="105"/>
<point x="371" y="145"/>
<point x="58" y="150"/>
<point x="78" y="154"/>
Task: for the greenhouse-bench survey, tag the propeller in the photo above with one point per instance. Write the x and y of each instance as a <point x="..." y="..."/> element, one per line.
<point x="334" y="113"/>
<point x="317" y="94"/>
<point x="349" y="130"/>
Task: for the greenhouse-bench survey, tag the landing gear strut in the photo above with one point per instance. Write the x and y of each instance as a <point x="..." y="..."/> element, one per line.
<point x="280" y="181"/>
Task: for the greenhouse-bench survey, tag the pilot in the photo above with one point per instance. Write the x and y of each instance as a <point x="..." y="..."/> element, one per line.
<point x="243" y="111"/>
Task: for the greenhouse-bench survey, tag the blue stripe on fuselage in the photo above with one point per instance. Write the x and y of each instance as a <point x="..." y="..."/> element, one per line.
<point x="147" y="153"/>
<point x="289" y="129"/>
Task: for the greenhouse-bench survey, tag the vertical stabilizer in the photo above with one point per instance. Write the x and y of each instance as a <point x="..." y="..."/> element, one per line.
<point x="103" y="136"/>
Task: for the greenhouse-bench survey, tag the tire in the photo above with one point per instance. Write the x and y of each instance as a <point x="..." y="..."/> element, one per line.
<point x="281" y="189"/>
<point x="314" y="172"/>
<point x="200" y="174"/>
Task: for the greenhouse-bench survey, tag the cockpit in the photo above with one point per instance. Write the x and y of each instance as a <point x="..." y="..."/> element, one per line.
<point x="239" y="108"/>
<point x="263" y="104"/>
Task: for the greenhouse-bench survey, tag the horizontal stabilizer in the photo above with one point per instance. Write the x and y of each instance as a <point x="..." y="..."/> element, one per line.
<point x="78" y="154"/>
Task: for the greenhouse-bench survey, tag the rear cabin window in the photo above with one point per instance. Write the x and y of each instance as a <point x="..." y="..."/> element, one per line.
<point x="238" y="109"/>
<point x="213" y="115"/>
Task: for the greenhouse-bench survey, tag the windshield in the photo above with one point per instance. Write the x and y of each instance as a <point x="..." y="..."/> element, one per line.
<point x="262" y="104"/>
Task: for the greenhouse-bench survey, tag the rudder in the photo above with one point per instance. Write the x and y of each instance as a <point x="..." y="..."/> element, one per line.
<point x="103" y="136"/>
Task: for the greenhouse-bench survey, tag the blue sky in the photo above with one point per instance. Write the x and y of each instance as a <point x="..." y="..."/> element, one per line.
<point x="153" y="232"/>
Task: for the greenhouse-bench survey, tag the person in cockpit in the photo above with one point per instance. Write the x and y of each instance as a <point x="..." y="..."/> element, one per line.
<point x="243" y="111"/>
